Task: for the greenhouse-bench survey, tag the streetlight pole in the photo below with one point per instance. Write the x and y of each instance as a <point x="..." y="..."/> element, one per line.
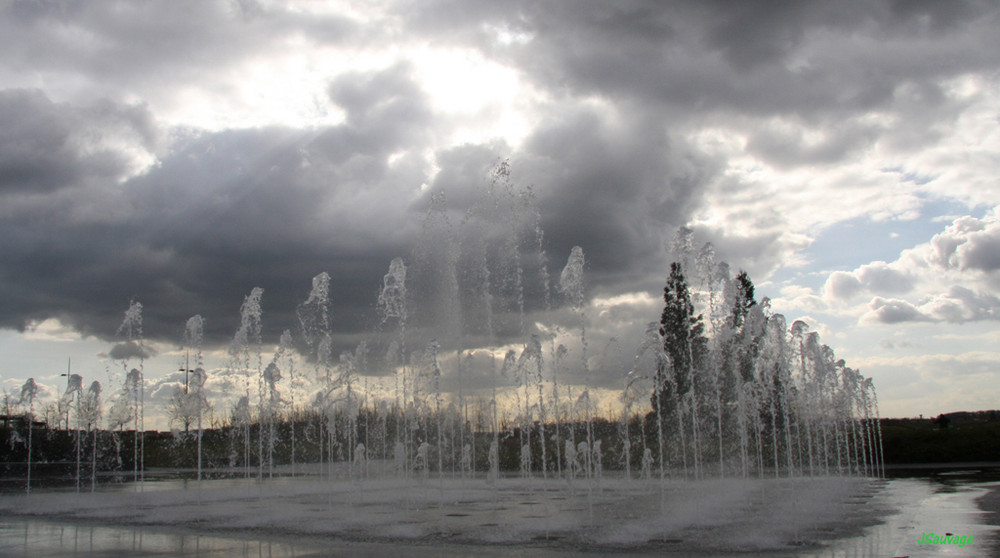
<point x="69" y="361"/>
<point x="186" y="370"/>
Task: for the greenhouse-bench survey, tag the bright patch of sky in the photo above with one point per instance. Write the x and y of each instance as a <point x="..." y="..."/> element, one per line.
<point x="861" y="240"/>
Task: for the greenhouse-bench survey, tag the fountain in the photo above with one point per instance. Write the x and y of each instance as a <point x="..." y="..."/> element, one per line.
<point x="28" y="393"/>
<point x="134" y="386"/>
<point x="473" y="376"/>
<point x="194" y="399"/>
<point x="74" y="388"/>
<point x="89" y="413"/>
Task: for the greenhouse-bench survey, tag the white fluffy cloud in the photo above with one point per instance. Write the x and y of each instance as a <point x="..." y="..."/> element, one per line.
<point x="951" y="278"/>
<point x="968" y="244"/>
<point x="877" y="278"/>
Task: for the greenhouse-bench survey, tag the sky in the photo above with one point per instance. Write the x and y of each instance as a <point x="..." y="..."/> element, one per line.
<point x="179" y="153"/>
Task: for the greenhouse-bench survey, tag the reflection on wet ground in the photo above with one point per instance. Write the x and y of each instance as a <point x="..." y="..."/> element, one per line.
<point x="923" y="506"/>
<point x="937" y="503"/>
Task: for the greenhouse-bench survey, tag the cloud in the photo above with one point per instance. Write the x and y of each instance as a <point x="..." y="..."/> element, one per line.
<point x="941" y="365"/>
<point x="220" y="213"/>
<point x="960" y="304"/>
<point x="894" y="344"/>
<point x="106" y="47"/>
<point x="616" y="184"/>
<point x="50" y="330"/>
<point x="129" y="350"/>
<point x="950" y="278"/>
<point x="782" y="145"/>
<point x="798" y="298"/>
<point x="933" y="383"/>
<point x="957" y="305"/>
<point x="893" y="311"/>
<point x="968" y="243"/>
<point x="380" y="102"/>
<point x="843" y="285"/>
<point x="46" y="146"/>
<point x="877" y="278"/>
<point x="880" y="278"/>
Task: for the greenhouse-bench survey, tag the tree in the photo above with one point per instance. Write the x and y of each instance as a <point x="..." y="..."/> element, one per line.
<point x="744" y="300"/>
<point x="684" y="343"/>
<point x="744" y="329"/>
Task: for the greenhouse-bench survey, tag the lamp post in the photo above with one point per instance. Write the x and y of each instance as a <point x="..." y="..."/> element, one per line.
<point x="67" y="406"/>
<point x="187" y="419"/>
<point x="186" y="371"/>
<point x="69" y="361"/>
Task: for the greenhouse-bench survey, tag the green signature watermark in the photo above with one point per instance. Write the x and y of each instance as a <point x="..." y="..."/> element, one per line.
<point x="947" y="538"/>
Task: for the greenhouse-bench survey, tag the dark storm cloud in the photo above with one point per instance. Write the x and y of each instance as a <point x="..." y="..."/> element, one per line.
<point x="45" y="146"/>
<point x="224" y="212"/>
<point x="465" y="170"/>
<point x="617" y="185"/>
<point x="785" y="148"/>
<point x="128" y="350"/>
<point x="758" y="57"/>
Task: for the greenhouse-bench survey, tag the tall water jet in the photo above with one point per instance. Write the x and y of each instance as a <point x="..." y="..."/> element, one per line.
<point x="433" y="371"/>
<point x="508" y="369"/>
<point x="245" y="354"/>
<point x="74" y="388"/>
<point x="648" y="356"/>
<point x="755" y="387"/>
<point x="28" y="393"/>
<point x="131" y="328"/>
<point x="798" y="332"/>
<point x="286" y="362"/>
<point x="325" y="404"/>
<point x="439" y="308"/>
<point x="711" y="277"/>
<point x="529" y="376"/>
<point x="275" y="402"/>
<point x="878" y="450"/>
<point x="480" y="306"/>
<point x="197" y="380"/>
<point x="544" y="279"/>
<point x="193" y="339"/>
<point x="351" y="365"/>
<point x="272" y="374"/>
<point x="774" y="354"/>
<point x="133" y="386"/>
<point x="571" y="286"/>
<point x="533" y="352"/>
<point x="392" y="305"/>
<point x="314" y="318"/>
<point x="558" y="356"/>
<point x="89" y="410"/>
<point x="119" y="414"/>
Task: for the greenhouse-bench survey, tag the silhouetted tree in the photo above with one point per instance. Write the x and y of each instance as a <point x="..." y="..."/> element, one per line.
<point x="744" y="300"/>
<point x="684" y="343"/>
